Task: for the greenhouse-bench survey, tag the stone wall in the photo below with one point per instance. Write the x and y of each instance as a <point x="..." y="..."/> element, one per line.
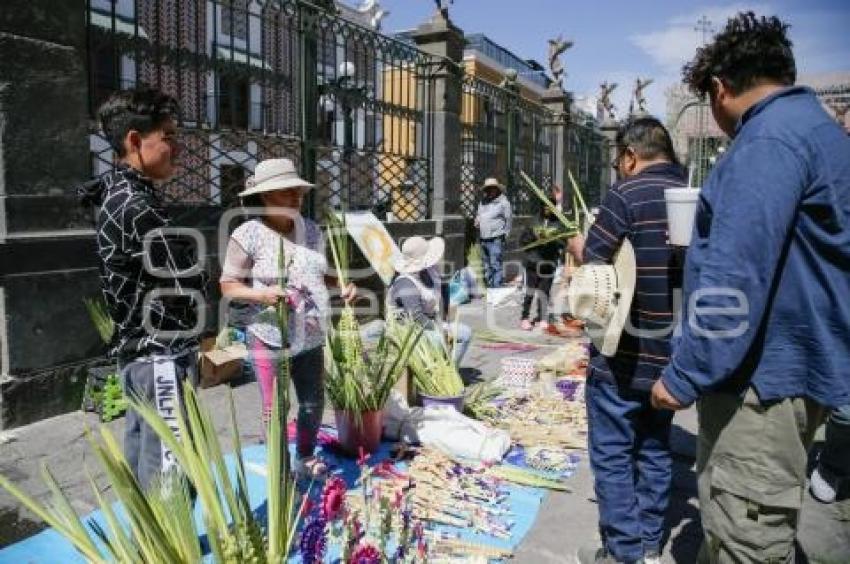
<point x="46" y="251"/>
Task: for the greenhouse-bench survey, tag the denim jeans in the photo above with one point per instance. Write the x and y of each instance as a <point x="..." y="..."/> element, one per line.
<point x="307" y="373"/>
<point x="142" y="446"/>
<point x="491" y="251"/>
<point x="835" y="455"/>
<point x="629" y="445"/>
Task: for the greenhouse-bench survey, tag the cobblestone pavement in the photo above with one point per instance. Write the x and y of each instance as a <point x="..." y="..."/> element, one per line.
<point x="565" y="521"/>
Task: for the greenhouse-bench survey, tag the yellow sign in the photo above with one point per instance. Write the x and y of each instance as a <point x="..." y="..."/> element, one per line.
<point x="374" y="242"/>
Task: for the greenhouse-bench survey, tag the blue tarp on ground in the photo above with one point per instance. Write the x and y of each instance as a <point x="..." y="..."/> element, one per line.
<point x="50" y="547"/>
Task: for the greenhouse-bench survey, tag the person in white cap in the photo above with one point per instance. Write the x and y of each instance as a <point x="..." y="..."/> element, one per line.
<point x="252" y="274"/>
<point x="418" y="291"/>
<point x="493" y="220"/>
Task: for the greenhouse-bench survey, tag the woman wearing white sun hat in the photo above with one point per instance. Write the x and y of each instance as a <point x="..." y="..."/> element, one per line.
<point x="251" y="273"/>
<point x="419" y="291"/>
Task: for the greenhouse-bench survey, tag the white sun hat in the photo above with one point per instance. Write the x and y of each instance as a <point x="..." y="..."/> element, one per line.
<point x="274" y="174"/>
<point x="601" y="296"/>
<point x="418" y="253"/>
<point x="492" y="183"/>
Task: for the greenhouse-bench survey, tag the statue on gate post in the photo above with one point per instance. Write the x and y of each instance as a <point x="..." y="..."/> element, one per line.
<point x="557" y="46"/>
<point x="604" y="106"/>
<point x="442" y="6"/>
<point x="638" y="96"/>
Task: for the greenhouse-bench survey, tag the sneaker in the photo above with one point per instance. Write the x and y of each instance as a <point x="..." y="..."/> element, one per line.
<point x="823" y="485"/>
<point x="310" y="468"/>
<point x="594" y="555"/>
<point x="651" y="557"/>
<point x="526" y="325"/>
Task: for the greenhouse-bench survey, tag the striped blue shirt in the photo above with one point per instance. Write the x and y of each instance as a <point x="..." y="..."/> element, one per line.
<point x="634" y="208"/>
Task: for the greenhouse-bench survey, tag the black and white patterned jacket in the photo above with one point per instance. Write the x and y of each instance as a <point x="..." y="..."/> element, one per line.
<point x="152" y="286"/>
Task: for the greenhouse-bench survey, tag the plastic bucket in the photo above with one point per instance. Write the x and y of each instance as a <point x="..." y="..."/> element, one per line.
<point x="354" y="435"/>
<point x="452" y="401"/>
<point x="681" y="210"/>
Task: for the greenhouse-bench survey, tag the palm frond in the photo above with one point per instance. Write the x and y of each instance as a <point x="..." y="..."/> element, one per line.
<point x="99" y="314"/>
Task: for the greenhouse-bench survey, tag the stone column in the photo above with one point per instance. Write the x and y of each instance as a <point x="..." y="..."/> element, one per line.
<point x="47" y="259"/>
<point x="609" y="129"/>
<point x="558" y="101"/>
<point x="440" y="37"/>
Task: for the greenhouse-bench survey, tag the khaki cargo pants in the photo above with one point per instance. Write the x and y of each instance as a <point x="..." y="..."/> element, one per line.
<point x="751" y="474"/>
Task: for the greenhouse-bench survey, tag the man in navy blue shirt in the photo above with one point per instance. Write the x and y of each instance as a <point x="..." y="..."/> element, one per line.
<point x="629" y="440"/>
<point x="765" y="335"/>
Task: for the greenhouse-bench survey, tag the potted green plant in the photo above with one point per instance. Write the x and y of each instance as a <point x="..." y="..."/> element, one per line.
<point x="358" y="384"/>
<point x="103" y="392"/>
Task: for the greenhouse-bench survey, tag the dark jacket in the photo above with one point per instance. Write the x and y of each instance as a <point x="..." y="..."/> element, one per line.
<point x="153" y="303"/>
<point x="768" y="269"/>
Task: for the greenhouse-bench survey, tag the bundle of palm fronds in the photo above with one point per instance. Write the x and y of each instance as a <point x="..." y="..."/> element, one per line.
<point x="475" y="263"/>
<point x="479" y="398"/>
<point x="157" y="526"/>
<point x="434" y="370"/>
<point x="355" y="382"/>
<point x="100" y="317"/>
<point x="568" y="227"/>
<point x="359" y="383"/>
<point x="582" y="217"/>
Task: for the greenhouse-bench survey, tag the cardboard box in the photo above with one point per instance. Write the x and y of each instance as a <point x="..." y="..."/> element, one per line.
<point x="220" y="365"/>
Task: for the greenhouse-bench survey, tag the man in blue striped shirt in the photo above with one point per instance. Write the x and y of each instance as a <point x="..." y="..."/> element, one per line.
<point x="628" y="438"/>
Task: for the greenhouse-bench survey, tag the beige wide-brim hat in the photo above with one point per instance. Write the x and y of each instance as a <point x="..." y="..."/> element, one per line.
<point x="601" y="296"/>
<point x="274" y="174"/>
<point x="418" y="253"/>
<point x="492" y="183"/>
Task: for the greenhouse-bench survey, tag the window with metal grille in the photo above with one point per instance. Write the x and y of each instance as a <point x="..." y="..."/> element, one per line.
<point x="234" y="19"/>
<point x="234" y="102"/>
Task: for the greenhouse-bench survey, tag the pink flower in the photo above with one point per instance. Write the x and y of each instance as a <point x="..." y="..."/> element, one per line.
<point x="366" y="553"/>
<point x="333" y="498"/>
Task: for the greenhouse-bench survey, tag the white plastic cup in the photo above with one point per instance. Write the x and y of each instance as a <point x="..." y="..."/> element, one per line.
<point x="681" y="210"/>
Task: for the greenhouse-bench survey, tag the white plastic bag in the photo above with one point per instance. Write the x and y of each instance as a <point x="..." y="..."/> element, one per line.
<point x="444" y="428"/>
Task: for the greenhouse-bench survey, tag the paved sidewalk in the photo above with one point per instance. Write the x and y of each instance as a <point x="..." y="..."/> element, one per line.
<point x="565" y="521"/>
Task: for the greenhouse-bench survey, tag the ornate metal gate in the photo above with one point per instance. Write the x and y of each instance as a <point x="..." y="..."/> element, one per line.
<point x="259" y="80"/>
<point x="501" y="134"/>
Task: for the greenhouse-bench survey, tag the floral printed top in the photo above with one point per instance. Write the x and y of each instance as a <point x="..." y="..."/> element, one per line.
<point x="253" y="257"/>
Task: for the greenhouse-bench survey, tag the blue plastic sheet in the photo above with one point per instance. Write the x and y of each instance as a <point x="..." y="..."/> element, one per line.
<point x="50" y="547"/>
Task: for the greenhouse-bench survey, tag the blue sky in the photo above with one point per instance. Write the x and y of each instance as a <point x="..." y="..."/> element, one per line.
<point x="617" y="40"/>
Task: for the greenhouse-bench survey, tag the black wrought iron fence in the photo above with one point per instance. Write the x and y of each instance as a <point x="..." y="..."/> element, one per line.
<point x="586" y="154"/>
<point x="502" y="134"/>
<point x="484" y="141"/>
<point x="273" y="79"/>
<point x="534" y="154"/>
<point x="373" y="147"/>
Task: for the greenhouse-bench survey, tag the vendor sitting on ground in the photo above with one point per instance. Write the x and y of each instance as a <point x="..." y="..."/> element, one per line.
<point x="419" y="291"/>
